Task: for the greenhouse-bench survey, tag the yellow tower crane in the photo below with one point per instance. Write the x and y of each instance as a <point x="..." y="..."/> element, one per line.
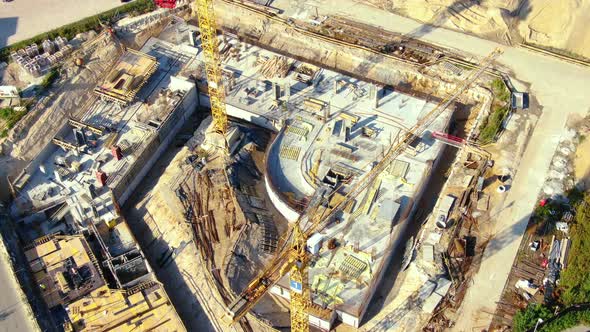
<point x="292" y="256"/>
<point x="300" y="297"/>
<point x="210" y="44"/>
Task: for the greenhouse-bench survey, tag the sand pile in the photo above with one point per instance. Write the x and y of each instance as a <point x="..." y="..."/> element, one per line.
<point x="557" y="24"/>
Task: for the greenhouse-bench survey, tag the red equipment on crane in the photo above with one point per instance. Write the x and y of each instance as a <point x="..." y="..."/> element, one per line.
<point x="449" y="139"/>
<point x="165" y="3"/>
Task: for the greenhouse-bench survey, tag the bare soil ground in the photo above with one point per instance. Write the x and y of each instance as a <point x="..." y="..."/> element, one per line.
<point x="557" y="24"/>
<point x="70" y="96"/>
<point x="156" y="218"/>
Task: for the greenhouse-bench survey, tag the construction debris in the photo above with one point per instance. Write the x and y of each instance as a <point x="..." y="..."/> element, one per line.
<point x="235" y="201"/>
<point x="39" y="63"/>
<point x="274" y="66"/>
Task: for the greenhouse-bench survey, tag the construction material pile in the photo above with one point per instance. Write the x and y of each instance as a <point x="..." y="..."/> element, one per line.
<point x="69" y="97"/>
<point x="276" y="66"/>
<point x="306" y="72"/>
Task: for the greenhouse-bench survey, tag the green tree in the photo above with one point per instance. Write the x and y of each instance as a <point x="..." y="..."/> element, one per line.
<point x="50" y="78"/>
<point x="490" y="127"/>
<point x="565" y="321"/>
<point x="526" y="319"/>
<point x="575" y="279"/>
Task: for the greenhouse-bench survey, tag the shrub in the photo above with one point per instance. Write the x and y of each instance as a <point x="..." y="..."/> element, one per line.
<point x="500" y="90"/>
<point x="50" y="78"/>
<point x="491" y="126"/>
<point x="575" y="280"/>
<point x="10" y="117"/>
<point x="527" y="319"/>
<point x="575" y="196"/>
<point x="567" y="320"/>
<point x="560" y="51"/>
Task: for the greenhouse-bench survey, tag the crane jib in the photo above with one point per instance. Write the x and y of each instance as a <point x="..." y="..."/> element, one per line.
<point x="277" y="267"/>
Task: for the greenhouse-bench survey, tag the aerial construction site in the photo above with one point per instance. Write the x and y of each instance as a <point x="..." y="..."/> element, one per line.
<point x="273" y="165"/>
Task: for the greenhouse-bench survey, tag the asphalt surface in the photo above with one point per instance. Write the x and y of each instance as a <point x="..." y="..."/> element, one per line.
<point x="22" y="19"/>
<point x="13" y="314"/>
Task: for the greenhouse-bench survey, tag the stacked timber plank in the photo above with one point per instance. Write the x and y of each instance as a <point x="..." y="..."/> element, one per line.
<point x="275" y="66"/>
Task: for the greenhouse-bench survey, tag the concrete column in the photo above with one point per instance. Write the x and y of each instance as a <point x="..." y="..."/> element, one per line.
<point x="377" y="94"/>
<point x="276" y="91"/>
<point x="57" y="176"/>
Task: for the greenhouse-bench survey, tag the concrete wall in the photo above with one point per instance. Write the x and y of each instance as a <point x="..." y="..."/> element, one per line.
<point x="280" y="291"/>
<point x="188" y="100"/>
<point x="275" y="197"/>
<point x="156" y="147"/>
<point x="289" y="213"/>
<point x="322" y="324"/>
<point x="131" y="178"/>
<point x="395" y="243"/>
<point x="243" y="114"/>
<point x="348" y="319"/>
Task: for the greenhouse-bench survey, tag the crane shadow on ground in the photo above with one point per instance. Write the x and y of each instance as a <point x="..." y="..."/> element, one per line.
<point x="4" y="314"/>
<point x="7" y="28"/>
<point x="520" y="13"/>
<point x="441" y="17"/>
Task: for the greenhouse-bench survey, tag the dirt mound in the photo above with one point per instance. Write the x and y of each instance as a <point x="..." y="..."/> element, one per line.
<point x="556" y="24"/>
<point x="463" y="16"/>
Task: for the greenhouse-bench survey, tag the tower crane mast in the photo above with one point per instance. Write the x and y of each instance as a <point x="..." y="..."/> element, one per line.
<point x="210" y="44"/>
<point x="292" y="256"/>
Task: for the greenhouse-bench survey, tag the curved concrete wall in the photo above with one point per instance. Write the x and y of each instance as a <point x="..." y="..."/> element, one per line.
<point x="275" y="197"/>
<point x="288" y="212"/>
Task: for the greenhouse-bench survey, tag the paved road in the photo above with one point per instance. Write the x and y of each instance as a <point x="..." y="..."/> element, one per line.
<point x="13" y="313"/>
<point x="22" y="19"/>
<point x="581" y="328"/>
<point x="561" y="89"/>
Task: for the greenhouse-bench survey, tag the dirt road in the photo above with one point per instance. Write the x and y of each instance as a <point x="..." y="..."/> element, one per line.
<point x="560" y="89"/>
<point x="22" y="19"/>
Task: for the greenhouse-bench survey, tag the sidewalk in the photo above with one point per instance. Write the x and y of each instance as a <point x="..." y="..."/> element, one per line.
<point x="15" y="312"/>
